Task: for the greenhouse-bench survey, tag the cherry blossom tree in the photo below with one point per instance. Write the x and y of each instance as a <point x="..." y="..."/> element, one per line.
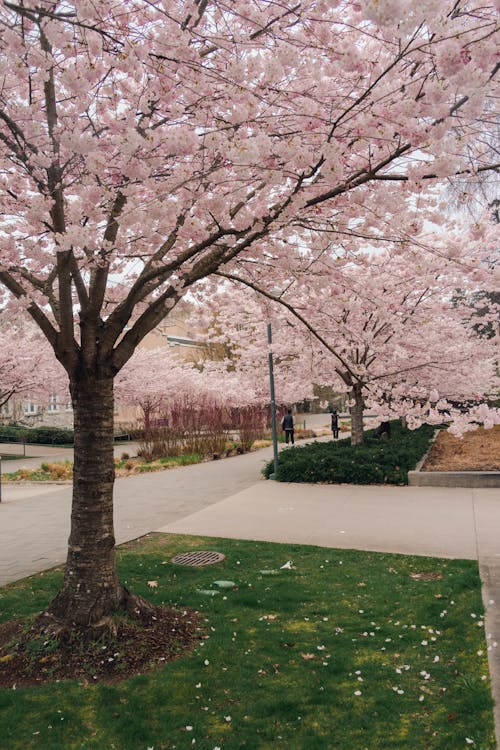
<point x="233" y="327"/>
<point x="146" y="145"/>
<point x="150" y="378"/>
<point x="396" y="335"/>
<point x="192" y="407"/>
<point x="154" y="378"/>
<point x="388" y="330"/>
<point x="158" y="374"/>
<point x="28" y="368"/>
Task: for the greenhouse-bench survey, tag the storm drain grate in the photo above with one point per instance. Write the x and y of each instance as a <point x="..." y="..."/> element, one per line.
<point x="198" y="558"/>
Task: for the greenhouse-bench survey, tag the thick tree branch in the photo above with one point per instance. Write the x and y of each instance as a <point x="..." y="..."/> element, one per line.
<point x="361" y="177"/>
<point x="32" y="308"/>
<point x="54" y="182"/>
<point x="99" y="276"/>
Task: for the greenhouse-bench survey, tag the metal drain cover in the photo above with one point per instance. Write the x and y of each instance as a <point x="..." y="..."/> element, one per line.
<point x="198" y="558"/>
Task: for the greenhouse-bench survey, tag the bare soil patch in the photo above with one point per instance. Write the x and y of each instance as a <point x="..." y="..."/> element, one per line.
<point x="475" y="451"/>
<point x="134" y="648"/>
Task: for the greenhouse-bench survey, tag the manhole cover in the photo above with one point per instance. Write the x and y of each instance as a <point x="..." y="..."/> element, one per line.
<point x="198" y="558"/>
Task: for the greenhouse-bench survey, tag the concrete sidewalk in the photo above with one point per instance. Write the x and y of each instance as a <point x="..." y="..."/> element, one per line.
<point x="441" y="522"/>
<point x="35" y="519"/>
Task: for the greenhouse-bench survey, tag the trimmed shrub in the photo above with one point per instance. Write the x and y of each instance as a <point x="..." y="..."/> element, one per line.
<point x="12" y="433"/>
<point x="375" y="462"/>
<point x="50" y="436"/>
<point x="36" y="435"/>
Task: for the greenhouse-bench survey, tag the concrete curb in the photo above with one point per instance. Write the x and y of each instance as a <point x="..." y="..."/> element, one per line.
<point x="473" y="479"/>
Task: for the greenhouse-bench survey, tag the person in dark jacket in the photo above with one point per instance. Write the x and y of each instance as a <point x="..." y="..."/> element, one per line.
<point x="288" y="424"/>
<point x="383" y="431"/>
<point x="335" y="424"/>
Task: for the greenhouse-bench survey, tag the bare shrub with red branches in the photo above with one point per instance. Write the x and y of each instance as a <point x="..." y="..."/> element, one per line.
<point x="184" y="426"/>
<point x="251" y="423"/>
<point x="200" y="425"/>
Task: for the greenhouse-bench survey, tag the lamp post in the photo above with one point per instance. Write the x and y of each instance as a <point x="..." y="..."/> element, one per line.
<point x="273" y="402"/>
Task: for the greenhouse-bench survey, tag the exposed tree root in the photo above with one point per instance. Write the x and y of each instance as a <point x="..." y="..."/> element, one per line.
<point x="51" y="625"/>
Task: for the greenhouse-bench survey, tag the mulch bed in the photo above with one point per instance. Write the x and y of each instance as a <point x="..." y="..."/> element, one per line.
<point x="475" y="451"/>
<point x="136" y="647"/>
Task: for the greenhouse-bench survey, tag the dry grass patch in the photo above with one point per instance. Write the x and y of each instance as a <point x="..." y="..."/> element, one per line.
<point x="475" y="451"/>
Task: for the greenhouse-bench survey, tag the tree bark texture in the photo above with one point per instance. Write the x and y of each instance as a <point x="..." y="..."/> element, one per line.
<point x="357" y="434"/>
<point x="91" y="590"/>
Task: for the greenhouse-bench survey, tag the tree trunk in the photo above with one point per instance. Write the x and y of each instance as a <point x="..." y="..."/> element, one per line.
<point x="91" y="590"/>
<point x="357" y="434"/>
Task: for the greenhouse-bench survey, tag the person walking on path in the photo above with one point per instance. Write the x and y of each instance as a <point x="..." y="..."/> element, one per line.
<point x="288" y="425"/>
<point x="335" y="424"/>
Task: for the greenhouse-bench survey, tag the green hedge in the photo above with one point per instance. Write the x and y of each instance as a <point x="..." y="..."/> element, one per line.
<point x="49" y="435"/>
<point x="375" y="462"/>
<point x="36" y="435"/>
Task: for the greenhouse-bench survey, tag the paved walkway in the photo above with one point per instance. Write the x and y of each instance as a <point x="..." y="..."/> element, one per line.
<point x="227" y="498"/>
<point x="36" y="454"/>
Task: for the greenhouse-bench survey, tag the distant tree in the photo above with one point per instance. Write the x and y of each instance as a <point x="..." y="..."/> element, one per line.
<point x="155" y="378"/>
<point x="28" y="368"/>
<point x="150" y="378"/>
<point x="389" y="330"/>
<point x="239" y="337"/>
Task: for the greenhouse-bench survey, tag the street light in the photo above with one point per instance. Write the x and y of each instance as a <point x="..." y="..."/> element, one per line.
<point x="273" y="402"/>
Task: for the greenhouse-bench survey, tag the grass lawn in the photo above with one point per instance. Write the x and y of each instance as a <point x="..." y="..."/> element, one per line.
<point x="345" y="651"/>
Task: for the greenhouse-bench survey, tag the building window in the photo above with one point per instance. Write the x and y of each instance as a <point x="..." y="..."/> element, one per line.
<point x="30" y="408"/>
<point x="53" y="403"/>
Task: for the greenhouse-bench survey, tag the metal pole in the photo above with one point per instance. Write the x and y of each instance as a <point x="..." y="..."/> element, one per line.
<point x="273" y="402"/>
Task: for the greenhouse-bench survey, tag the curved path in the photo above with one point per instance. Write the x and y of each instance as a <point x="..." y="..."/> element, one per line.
<point x="34" y="519"/>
